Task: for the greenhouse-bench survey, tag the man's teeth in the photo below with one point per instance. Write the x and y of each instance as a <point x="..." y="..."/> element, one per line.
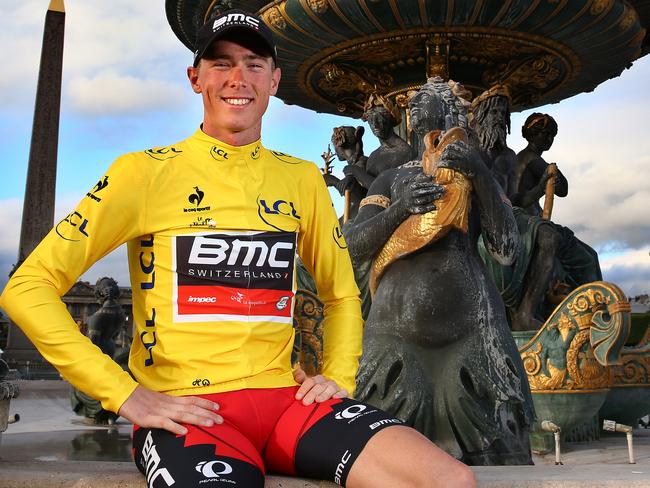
<point x="237" y="101"/>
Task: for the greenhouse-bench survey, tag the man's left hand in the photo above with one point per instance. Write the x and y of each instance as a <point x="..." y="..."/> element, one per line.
<point x="316" y="388"/>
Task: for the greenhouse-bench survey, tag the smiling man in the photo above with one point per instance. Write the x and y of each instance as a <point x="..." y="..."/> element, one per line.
<point x="214" y="224"/>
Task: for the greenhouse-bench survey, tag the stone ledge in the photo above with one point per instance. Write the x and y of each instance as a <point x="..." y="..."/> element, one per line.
<point x="102" y="474"/>
<point x="86" y="474"/>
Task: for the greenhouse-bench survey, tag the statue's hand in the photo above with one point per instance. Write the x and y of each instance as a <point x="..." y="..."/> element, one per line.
<point x="420" y="193"/>
<point x="461" y="157"/>
<point x="344" y="184"/>
<point x="540" y="188"/>
<point x="330" y="179"/>
<point x="353" y="170"/>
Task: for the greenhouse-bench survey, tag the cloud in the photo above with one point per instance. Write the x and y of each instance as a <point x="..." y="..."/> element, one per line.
<point x="603" y="149"/>
<point x="112" y="93"/>
<point x="20" y="37"/>
<point x="127" y="42"/>
<point x="630" y="270"/>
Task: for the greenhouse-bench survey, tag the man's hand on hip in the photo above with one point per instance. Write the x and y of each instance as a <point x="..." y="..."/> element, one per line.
<point x="316" y="388"/>
<point x="148" y="408"/>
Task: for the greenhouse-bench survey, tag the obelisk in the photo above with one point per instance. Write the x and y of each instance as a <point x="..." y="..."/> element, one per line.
<point x="38" y="206"/>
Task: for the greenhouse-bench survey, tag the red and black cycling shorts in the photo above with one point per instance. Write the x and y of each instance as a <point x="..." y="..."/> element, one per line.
<point x="263" y="430"/>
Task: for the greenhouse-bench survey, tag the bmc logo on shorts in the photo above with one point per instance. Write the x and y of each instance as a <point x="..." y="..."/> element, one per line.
<point x="152" y="467"/>
<point x="213" y="469"/>
<point x="350" y="412"/>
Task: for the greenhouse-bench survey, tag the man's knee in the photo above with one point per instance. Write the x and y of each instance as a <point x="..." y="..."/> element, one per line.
<point x="445" y="471"/>
<point x="401" y="456"/>
<point x="461" y="476"/>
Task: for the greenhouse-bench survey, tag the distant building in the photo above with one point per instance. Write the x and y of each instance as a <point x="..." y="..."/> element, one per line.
<point x="640" y="303"/>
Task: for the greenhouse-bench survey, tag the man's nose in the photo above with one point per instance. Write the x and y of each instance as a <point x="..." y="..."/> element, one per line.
<point x="237" y="77"/>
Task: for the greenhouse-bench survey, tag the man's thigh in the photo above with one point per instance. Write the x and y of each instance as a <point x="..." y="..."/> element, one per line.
<point x="323" y="440"/>
<point x="215" y="457"/>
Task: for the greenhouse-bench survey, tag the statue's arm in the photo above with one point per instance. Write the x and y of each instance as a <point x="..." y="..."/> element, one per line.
<point x="359" y="173"/>
<point x="561" y="185"/>
<point x="374" y="224"/>
<point x="538" y="171"/>
<point x="341" y="184"/>
<point x="330" y="179"/>
<point x="498" y="225"/>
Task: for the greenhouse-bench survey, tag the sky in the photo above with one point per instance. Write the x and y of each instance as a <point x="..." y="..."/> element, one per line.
<point x="125" y="89"/>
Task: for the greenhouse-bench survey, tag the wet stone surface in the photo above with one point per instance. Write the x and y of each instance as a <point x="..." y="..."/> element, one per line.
<point x="112" y="444"/>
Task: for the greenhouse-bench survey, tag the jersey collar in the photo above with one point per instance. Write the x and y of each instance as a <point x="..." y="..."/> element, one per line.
<point x="220" y="151"/>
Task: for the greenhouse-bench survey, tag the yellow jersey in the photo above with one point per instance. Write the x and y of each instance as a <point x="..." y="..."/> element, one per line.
<point x="213" y="232"/>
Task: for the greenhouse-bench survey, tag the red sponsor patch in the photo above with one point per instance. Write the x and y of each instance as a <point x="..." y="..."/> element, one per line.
<point x="220" y="300"/>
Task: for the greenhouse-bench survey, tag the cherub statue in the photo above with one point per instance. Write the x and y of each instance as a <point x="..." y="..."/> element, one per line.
<point x="348" y="146"/>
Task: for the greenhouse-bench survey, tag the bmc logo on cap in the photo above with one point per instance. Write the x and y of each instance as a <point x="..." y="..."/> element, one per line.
<point x="241" y="19"/>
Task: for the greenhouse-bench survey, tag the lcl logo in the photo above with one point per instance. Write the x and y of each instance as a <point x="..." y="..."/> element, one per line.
<point x="218" y="154"/>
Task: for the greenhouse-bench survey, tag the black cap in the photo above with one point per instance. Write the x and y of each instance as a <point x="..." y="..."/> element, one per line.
<point x="228" y="21"/>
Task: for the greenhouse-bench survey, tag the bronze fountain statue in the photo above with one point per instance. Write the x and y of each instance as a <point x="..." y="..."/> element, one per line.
<point x="551" y="262"/>
<point x="437" y="350"/>
<point x="104" y="327"/>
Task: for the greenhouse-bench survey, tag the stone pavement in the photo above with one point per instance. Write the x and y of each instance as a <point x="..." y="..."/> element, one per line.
<point x="51" y="447"/>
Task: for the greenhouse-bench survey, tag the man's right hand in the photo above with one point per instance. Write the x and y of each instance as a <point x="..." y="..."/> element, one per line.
<point x="148" y="408"/>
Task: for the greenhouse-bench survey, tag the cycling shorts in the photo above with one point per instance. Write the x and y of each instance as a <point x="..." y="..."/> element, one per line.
<point x="263" y="430"/>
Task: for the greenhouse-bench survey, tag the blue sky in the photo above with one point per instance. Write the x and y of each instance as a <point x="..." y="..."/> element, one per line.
<point x="124" y="89"/>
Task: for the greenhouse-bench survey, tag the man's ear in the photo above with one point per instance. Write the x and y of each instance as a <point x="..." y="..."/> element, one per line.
<point x="193" y="76"/>
<point x="275" y="81"/>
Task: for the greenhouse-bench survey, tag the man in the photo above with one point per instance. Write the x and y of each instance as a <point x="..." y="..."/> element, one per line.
<point x="213" y="224"/>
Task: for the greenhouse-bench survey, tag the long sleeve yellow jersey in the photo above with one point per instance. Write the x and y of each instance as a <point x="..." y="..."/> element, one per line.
<point x="213" y="232"/>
